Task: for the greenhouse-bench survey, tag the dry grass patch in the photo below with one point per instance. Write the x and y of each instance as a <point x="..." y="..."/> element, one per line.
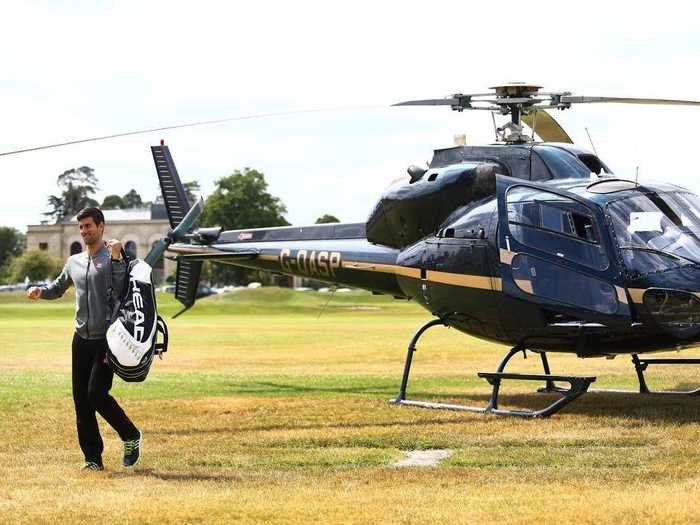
<point x="261" y="415"/>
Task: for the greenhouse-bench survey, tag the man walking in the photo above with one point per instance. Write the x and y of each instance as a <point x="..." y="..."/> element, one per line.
<point x="94" y="273"/>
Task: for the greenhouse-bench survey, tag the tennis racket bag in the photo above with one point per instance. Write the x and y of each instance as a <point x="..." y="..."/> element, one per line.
<point x="132" y="336"/>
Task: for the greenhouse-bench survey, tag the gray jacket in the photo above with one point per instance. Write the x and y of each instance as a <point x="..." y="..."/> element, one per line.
<point x="93" y="277"/>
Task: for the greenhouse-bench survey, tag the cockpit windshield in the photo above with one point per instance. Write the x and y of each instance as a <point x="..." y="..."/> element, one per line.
<point x="657" y="231"/>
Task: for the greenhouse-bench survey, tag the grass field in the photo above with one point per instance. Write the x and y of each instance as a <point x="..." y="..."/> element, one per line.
<point x="265" y="412"/>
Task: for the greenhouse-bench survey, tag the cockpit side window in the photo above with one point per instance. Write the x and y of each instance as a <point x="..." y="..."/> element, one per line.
<point x="538" y="169"/>
<point x="594" y="164"/>
<point x="471" y="221"/>
<point x="555" y="224"/>
<point x="563" y="164"/>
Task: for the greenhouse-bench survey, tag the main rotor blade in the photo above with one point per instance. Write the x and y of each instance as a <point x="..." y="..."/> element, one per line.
<point x="546" y="126"/>
<point x="627" y="100"/>
<point x="430" y="102"/>
<point x="186" y="125"/>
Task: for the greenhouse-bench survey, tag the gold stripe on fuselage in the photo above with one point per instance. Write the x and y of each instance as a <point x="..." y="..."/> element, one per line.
<point x="395" y="269"/>
<point x="636" y="294"/>
<point x="505" y="256"/>
<point x="459" y="279"/>
<point x="455" y="279"/>
<point x="621" y="295"/>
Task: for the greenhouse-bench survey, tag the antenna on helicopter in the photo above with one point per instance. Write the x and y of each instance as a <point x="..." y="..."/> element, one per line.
<point x="534" y="125"/>
<point x="591" y="141"/>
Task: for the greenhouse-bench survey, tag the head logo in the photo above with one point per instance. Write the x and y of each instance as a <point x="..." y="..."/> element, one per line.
<point x="138" y="316"/>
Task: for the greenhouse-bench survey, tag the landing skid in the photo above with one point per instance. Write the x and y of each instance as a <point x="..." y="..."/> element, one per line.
<point x="640" y="366"/>
<point x="578" y="385"/>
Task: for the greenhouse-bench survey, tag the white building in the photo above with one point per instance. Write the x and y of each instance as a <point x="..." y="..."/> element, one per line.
<point x="137" y="228"/>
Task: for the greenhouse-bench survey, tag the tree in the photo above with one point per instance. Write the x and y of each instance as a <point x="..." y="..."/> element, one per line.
<point x="132" y="200"/>
<point x="12" y="243"/>
<point x="191" y="189"/>
<point x="241" y="201"/>
<point x="327" y="219"/>
<point x="77" y="185"/>
<point x="113" y="202"/>
<point x="35" y="264"/>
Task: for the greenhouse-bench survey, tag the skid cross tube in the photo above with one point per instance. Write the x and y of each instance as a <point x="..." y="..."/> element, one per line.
<point x="579" y="385"/>
<point x="640" y="366"/>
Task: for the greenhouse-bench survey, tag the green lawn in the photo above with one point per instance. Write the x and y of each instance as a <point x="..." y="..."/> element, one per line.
<point x="272" y="407"/>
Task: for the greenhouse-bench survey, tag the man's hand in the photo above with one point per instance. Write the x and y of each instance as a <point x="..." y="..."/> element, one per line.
<point x="34" y="293"/>
<point x="115" y="246"/>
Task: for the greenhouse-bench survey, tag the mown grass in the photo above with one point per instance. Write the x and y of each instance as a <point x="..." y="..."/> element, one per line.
<point x="265" y="412"/>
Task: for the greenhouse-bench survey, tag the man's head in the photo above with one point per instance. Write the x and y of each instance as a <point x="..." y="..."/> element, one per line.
<point x="92" y="225"/>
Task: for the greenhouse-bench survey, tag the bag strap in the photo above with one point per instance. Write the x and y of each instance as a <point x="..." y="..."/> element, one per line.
<point x="161" y="327"/>
<point x="112" y="305"/>
<point x="125" y="285"/>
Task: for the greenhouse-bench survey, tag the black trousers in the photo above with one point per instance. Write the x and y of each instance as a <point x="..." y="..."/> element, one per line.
<point x="92" y="380"/>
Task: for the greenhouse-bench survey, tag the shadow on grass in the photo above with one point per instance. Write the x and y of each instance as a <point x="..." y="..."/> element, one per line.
<point x="648" y="407"/>
<point x="270" y="388"/>
<point x="175" y="476"/>
<point x="307" y="426"/>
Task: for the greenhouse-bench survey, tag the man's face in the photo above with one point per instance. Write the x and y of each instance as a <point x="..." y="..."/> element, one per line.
<point x="91" y="232"/>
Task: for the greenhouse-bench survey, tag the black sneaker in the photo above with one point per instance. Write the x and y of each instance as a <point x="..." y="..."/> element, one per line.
<point x="91" y="465"/>
<point x="132" y="449"/>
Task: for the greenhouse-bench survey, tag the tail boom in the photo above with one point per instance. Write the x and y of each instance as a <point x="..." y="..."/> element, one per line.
<point x="348" y="262"/>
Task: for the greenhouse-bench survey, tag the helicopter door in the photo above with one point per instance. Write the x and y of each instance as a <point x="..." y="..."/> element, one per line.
<point x="462" y="266"/>
<point x="555" y="252"/>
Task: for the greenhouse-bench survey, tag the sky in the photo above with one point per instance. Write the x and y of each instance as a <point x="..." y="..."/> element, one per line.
<point x="79" y="69"/>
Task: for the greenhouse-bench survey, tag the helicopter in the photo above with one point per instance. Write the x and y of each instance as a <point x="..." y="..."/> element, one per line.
<point x="532" y="244"/>
<point x="536" y="245"/>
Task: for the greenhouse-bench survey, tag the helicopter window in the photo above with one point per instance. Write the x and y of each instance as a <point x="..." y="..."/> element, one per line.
<point x="538" y="169"/>
<point x="557" y="283"/>
<point x="563" y="164"/>
<point x="594" y="164"/>
<point x="555" y="224"/>
<point x="472" y="221"/>
<point x="657" y="231"/>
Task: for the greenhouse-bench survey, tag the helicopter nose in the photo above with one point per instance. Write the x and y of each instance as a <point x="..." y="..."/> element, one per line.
<point x="676" y="312"/>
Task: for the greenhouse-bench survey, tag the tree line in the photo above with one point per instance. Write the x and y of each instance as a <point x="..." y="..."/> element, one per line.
<point x="240" y="200"/>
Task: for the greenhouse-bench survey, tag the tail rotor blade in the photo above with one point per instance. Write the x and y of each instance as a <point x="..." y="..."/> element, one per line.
<point x="188" y="221"/>
<point x="156" y="252"/>
<point x="159" y="247"/>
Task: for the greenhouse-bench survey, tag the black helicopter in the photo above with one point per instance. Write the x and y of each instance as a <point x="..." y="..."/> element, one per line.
<point x="533" y="244"/>
<point x="537" y="245"/>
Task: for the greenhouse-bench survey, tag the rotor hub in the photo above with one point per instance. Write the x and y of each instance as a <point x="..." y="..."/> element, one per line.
<point x="516" y="89"/>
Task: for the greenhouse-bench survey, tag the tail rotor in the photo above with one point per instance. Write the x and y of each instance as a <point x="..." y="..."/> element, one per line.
<point x="183" y="217"/>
